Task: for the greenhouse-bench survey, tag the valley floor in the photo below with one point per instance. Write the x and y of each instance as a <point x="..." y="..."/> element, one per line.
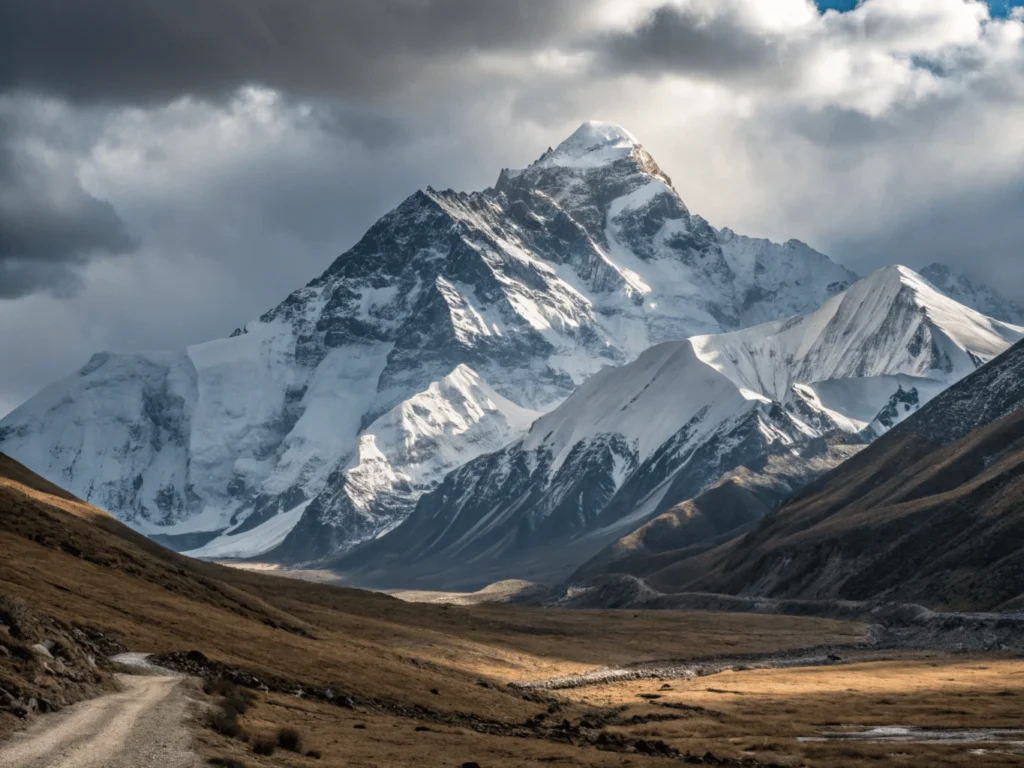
<point x="930" y="710"/>
<point x="371" y="681"/>
<point x="912" y="711"/>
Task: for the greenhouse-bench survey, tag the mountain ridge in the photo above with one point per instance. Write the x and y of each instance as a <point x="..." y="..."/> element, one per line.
<point x="975" y="295"/>
<point x="534" y="284"/>
<point x="628" y="446"/>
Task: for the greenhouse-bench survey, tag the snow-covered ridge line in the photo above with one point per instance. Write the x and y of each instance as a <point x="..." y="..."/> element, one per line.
<point x="636" y="440"/>
<point x="976" y="296"/>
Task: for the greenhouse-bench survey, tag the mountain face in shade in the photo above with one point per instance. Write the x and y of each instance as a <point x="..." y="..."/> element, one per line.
<point x="450" y="326"/>
<point x="634" y="442"/>
<point x="729" y="508"/>
<point x="931" y="513"/>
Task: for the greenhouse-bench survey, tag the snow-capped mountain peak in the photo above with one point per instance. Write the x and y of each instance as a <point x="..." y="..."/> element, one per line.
<point x="582" y="260"/>
<point x="593" y="144"/>
<point x="891" y="322"/>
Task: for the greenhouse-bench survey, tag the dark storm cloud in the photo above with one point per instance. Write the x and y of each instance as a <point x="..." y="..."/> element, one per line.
<point x="49" y="224"/>
<point x="675" y="40"/>
<point x="370" y="129"/>
<point x="149" y="51"/>
<point x="980" y="233"/>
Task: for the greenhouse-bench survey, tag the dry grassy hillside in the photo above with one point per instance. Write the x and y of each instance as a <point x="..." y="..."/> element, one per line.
<point x="946" y="530"/>
<point x="76" y="571"/>
<point x="426" y="684"/>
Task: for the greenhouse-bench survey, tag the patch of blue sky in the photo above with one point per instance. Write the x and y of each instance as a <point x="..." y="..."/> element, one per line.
<point x="1000" y="8"/>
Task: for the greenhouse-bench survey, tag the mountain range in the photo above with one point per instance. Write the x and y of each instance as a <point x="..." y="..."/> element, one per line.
<point x="496" y="376"/>
<point x="453" y="323"/>
<point x="633" y="442"/>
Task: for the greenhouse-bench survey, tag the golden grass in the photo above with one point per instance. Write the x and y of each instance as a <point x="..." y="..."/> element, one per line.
<point x="762" y="713"/>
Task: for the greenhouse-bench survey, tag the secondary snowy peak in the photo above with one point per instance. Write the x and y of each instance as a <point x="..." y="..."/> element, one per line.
<point x="634" y="441"/>
<point x="582" y="260"/>
<point x="640" y="402"/>
<point x="888" y="332"/>
<point x="453" y="420"/>
<point x="891" y="323"/>
<point x="973" y="294"/>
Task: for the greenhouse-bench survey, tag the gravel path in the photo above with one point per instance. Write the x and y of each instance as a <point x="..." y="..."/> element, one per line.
<point x="141" y="727"/>
<point x="139" y="664"/>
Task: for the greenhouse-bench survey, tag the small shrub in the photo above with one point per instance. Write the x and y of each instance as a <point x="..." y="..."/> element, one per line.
<point x="225" y="723"/>
<point x="241" y="702"/>
<point x="218" y="687"/>
<point x="227" y="762"/>
<point x="232" y="696"/>
<point x="264" y="746"/>
<point x="289" y="739"/>
<point x="234" y="702"/>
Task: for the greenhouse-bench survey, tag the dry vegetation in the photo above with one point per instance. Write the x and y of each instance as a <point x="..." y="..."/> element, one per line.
<point x="428" y="681"/>
<point x="761" y="714"/>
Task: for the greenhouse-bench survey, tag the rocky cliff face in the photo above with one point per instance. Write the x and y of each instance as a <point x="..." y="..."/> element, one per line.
<point x="453" y="323"/>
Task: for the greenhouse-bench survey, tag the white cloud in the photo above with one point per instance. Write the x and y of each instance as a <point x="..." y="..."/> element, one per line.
<point x="891" y="132"/>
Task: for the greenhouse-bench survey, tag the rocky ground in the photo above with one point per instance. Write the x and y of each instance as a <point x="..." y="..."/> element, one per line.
<point x="47" y="664"/>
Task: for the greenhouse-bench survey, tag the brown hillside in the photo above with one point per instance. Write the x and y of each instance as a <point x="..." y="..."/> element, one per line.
<point x="82" y="570"/>
<point x="946" y="530"/>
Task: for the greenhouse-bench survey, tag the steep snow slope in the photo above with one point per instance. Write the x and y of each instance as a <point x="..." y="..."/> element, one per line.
<point x="635" y="441"/>
<point x="975" y="295"/>
<point x="139" y="458"/>
<point x="404" y="453"/>
<point x="891" y="322"/>
<point x="582" y="260"/>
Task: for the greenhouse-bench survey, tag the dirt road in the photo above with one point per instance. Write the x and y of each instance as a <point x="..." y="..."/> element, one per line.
<point x="141" y="727"/>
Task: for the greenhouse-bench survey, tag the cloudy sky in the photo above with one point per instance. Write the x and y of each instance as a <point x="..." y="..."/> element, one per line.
<point x="170" y="170"/>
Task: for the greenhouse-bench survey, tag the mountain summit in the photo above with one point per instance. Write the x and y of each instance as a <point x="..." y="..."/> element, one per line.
<point x="455" y="321"/>
<point x="593" y="144"/>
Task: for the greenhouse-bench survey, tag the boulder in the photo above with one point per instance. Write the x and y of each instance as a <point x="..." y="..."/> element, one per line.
<point x="41" y="650"/>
